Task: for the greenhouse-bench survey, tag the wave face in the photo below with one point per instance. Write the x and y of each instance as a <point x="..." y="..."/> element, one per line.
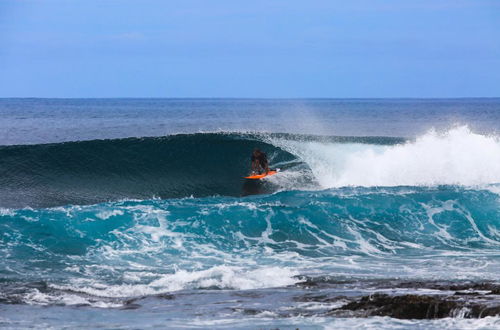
<point x="209" y="164"/>
<point x="137" y="248"/>
<point x="140" y="168"/>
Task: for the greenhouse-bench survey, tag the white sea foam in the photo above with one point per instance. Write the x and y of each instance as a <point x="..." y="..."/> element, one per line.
<point x="7" y="212"/>
<point x="104" y="215"/>
<point x="35" y="297"/>
<point x="457" y="156"/>
<point x="222" y="277"/>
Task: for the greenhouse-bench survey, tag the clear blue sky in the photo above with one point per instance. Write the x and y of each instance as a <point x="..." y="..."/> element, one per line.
<point x="200" y="48"/>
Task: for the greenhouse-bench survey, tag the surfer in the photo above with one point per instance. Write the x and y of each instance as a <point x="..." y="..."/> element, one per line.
<point x="259" y="162"/>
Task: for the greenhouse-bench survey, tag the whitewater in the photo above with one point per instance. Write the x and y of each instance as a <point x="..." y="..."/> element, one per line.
<point x="357" y="231"/>
<point x="455" y="156"/>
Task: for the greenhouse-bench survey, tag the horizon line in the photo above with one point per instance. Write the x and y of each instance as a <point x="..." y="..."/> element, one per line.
<point x="250" y="98"/>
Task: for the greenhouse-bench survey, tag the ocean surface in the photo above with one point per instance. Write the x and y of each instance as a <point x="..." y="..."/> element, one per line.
<point x="133" y="213"/>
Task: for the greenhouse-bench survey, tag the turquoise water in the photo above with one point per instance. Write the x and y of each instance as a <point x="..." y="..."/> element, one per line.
<point x="159" y="231"/>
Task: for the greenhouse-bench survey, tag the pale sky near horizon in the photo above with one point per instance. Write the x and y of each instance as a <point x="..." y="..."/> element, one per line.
<point x="196" y="48"/>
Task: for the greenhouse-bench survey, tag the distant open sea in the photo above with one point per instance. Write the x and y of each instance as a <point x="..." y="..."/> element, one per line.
<point x="134" y="213"/>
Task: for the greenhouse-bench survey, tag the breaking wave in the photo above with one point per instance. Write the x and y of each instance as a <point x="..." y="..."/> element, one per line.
<point x="210" y="164"/>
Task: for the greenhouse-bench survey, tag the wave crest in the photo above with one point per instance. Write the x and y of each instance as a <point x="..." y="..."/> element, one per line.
<point x="454" y="157"/>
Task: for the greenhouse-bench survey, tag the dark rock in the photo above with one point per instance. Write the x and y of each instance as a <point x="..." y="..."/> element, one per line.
<point x="495" y="290"/>
<point x="483" y="311"/>
<point x="413" y="306"/>
<point x="467" y="293"/>
<point x="403" y="307"/>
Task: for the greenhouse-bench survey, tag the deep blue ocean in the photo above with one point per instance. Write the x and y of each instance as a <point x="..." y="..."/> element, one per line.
<point x="133" y="213"/>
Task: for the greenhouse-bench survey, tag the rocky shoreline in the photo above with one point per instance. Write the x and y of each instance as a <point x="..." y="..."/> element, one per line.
<point x="389" y="298"/>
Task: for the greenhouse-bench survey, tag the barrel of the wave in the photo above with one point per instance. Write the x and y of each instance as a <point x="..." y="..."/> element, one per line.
<point x="175" y="166"/>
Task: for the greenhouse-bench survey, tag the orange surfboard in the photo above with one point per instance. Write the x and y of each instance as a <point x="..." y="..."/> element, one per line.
<point x="260" y="176"/>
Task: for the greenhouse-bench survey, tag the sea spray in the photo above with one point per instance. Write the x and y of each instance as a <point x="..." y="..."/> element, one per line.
<point x="456" y="156"/>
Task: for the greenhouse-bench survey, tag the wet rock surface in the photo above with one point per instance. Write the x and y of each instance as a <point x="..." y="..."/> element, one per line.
<point x="419" y="307"/>
<point x="407" y="300"/>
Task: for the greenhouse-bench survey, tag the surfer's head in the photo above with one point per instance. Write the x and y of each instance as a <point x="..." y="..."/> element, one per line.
<point x="256" y="152"/>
